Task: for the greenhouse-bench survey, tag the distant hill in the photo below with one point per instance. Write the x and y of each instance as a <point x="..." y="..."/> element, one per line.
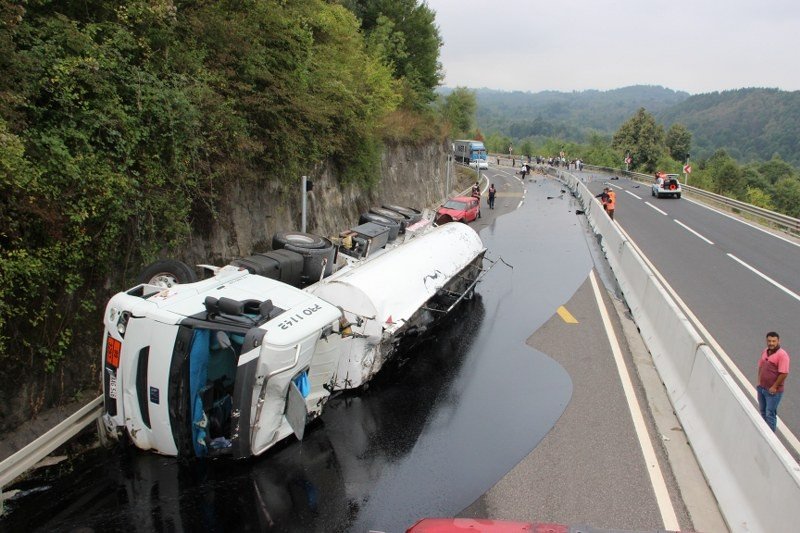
<point x="749" y="123"/>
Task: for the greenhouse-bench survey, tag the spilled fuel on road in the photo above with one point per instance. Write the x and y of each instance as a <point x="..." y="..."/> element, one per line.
<point x="435" y="430"/>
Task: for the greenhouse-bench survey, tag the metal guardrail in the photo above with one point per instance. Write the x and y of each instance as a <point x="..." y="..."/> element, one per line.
<point x="37" y="450"/>
<point x="784" y="222"/>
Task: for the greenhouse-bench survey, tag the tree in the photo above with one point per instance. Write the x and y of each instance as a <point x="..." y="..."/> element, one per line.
<point x="759" y="198"/>
<point x="410" y="42"/>
<point x="787" y="196"/>
<point x="679" y="142"/>
<point x="642" y="138"/>
<point x="497" y="143"/>
<point x="775" y="169"/>
<point x="458" y="108"/>
<point x="727" y="175"/>
<point x="599" y="152"/>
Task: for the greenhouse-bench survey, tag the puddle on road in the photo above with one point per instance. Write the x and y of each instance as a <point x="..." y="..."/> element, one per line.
<point x="430" y="435"/>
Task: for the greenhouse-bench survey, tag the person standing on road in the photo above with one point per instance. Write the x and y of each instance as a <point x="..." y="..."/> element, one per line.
<point x="476" y="193"/>
<point x="492" y="192"/>
<point x="612" y="203"/>
<point x="773" y="367"/>
<point x="603" y="199"/>
<point x="609" y="200"/>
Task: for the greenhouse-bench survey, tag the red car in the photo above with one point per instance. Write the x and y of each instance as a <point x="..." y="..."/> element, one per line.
<point x="469" y="525"/>
<point x="458" y="209"/>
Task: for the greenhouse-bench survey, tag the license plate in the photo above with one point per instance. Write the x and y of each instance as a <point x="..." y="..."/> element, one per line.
<point x="112" y="385"/>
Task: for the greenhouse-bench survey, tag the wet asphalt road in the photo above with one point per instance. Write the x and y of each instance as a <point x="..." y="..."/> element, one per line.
<point x="433" y="434"/>
<point x="692" y="246"/>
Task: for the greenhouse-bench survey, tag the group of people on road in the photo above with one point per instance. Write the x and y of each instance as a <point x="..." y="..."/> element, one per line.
<point x="609" y="200"/>
<point x="476" y="193"/>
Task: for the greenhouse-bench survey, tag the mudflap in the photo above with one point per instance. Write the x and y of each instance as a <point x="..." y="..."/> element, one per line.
<point x="296" y="411"/>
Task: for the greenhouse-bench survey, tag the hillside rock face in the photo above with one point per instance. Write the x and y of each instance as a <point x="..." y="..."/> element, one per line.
<point x="412" y="176"/>
<point x="248" y="217"/>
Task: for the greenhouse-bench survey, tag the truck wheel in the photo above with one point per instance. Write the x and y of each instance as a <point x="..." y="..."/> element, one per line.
<point x="298" y="239"/>
<point x="394" y="215"/>
<point x="166" y="273"/>
<point x="315" y="261"/>
<point x="413" y="215"/>
<point x="393" y="225"/>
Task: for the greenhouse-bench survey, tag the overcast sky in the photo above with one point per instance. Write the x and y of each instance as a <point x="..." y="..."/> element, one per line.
<point x="697" y="46"/>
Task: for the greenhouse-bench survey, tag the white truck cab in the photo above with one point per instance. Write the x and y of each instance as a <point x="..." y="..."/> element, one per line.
<point x="229" y="365"/>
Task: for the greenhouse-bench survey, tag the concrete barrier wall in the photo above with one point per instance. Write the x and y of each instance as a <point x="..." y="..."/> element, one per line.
<point x="756" y="481"/>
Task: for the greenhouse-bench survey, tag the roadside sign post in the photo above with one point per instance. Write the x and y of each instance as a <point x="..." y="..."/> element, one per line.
<point x="304" y="183"/>
<point x="628" y="161"/>
<point x="449" y="163"/>
<point x="687" y="169"/>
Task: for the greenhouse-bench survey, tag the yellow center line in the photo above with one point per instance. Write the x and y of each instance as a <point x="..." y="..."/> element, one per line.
<point x="566" y="316"/>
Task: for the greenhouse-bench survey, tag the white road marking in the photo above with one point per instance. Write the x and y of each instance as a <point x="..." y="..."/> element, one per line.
<point x="781" y="287"/>
<point x="520" y="203"/>
<point x="657" y="209"/>
<point x="615" y="186"/>
<point x="745" y="222"/>
<point x="692" y="231"/>
<point x="668" y="516"/>
<point x="635" y="196"/>
<point x="744" y="382"/>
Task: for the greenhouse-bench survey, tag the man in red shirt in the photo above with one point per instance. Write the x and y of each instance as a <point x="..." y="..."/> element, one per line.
<point x="773" y="367"/>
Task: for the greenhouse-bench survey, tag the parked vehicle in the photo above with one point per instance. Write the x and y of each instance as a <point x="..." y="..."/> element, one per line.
<point x="479" y="164"/>
<point x="233" y="364"/>
<point x="466" y="151"/>
<point x="666" y="185"/>
<point x="458" y="209"/>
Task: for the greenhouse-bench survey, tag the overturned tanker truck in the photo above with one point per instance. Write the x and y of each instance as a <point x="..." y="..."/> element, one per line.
<point x="232" y="364"/>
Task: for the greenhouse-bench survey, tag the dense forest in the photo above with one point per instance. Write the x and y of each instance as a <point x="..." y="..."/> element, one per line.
<point x="749" y="124"/>
<point x="122" y="123"/>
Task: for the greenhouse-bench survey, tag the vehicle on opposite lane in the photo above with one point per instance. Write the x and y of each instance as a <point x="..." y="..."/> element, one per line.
<point x="666" y="185"/>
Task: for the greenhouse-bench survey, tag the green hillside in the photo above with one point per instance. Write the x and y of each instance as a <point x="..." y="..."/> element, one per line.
<point x="751" y="124"/>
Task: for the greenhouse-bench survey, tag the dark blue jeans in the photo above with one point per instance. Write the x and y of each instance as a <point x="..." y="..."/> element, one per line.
<point x="768" y="406"/>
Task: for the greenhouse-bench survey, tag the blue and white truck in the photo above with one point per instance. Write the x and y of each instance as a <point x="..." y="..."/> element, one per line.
<point x="469" y="151"/>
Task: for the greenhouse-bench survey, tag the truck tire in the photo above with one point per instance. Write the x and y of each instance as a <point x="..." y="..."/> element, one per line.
<point x="388" y="213"/>
<point x="393" y="225"/>
<point x="412" y="214"/>
<point x="315" y="261"/>
<point x="298" y="239"/>
<point x="166" y="273"/>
